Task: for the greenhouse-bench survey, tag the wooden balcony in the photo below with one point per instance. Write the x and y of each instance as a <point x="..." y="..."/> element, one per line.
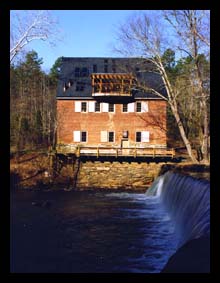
<point x="112" y="84"/>
<point x="134" y="152"/>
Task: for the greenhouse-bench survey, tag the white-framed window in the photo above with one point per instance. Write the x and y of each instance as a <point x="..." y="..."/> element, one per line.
<point x="97" y="106"/>
<point x="83" y="106"/>
<point x="143" y="136"/>
<point x="141" y="106"/>
<point x="111" y="107"/>
<point x="83" y="136"/>
<point x="107" y="136"/>
<point x="80" y="136"/>
<point x="138" y="106"/>
<point x="124" y="107"/>
<point x="138" y="136"/>
<point x="111" y="136"/>
<point x="108" y="107"/>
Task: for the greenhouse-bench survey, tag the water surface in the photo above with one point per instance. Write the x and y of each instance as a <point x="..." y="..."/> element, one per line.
<point x="92" y="232"/>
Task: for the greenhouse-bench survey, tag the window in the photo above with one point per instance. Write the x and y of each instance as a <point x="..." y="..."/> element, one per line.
<point x="113" y="69"/>
<point x="77" y="72"/>
<point x="97" y="107"/>
<point x="111" y="107"/>
<point x="111" y="136"/>
<point x="142" y="107"/>
<point x="125" y="108"/>
<point x="138" y="74"/>
<point x="106" y="69"/>
<point x="79" y="136"/>
<point x="143" y="136"/>
<point x="70" y="83"/>
<point x="138" y="136"/>
<point x="107" y="136"/>
<point x="94" y="68"/>
<point x="106" y="61"/>
<point x="83" y="106"/>
<point x="83" y="136"/>
<point x="80" y="86"/>
<point x="138" y="107"/>
<point x="84" y="72"/>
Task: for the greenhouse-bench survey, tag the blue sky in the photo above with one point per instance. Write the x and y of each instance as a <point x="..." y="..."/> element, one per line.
<point x="85" y="33"/>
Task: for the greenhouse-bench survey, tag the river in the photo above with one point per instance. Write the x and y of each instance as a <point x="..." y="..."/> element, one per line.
<point x="89" y="232"/>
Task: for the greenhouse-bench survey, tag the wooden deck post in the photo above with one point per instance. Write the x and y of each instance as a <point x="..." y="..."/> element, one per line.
<point x="97" y="154"/>
<point x="154" y="152"/>
<point x="116" y="152"/>
<point x="173" y="152"/>
<point x="135" y="152"/>
<point x="78" y="151"/>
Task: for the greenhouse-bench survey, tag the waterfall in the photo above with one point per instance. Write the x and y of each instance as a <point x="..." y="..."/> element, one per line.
<point x="188" y="201"/>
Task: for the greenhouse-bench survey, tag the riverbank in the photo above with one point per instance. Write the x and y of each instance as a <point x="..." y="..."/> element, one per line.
<point x="31" y="171"/>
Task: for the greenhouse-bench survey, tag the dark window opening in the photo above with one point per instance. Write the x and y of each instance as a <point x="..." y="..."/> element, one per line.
<point x="138" y="136"/>
<point x="111" y="136"/>
<point x="111" y="107"/>
<point x="83" y="136"/>
<point x="80" y="86"/>
<point x="65" y="87"/>
<point x="106" y="69"/>
<point x="97" y="107"/>
<point x="138" y="107"/>
<point x="70" y="83"/>
<point x="125" y="108"/>
<point x="77" y="72"/>
<point x="84" y="72"/>
<point x="94" y="68"/>
<point x="113" y="69"/>
<point x="106" y="61"/>
<point x="138" y="74"/>
<point x="83" y="106"/>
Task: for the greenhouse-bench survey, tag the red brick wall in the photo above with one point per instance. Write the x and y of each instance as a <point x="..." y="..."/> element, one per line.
<point x="153" y="121"/>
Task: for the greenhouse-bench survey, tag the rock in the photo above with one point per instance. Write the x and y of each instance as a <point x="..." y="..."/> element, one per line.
<point x="193" y="257"/>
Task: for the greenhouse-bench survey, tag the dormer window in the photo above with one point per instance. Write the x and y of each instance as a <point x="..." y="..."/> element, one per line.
<point x="84" y="72"/>
<point x="70" y="83"/>
<point x="65" y="87"/>
<point x="80" y="86"/>
<point x="77" y="72"/>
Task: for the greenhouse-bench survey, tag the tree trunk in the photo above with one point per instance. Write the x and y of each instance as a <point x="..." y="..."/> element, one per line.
<point x="174" y="108"/>
<point x="205" y="142"/>
<point x="183" y="134"/>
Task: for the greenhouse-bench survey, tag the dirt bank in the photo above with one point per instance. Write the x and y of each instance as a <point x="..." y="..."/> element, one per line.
<point x="31" y="170"/>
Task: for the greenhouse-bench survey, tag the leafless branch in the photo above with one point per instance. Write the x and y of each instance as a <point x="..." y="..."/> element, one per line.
<point x="27" y="26"/>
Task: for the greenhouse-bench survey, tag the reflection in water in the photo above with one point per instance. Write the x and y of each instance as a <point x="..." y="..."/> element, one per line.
<point x="89" y="232"/>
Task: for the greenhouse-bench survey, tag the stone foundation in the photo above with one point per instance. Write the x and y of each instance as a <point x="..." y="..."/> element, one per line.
<point x="117" y="175"/>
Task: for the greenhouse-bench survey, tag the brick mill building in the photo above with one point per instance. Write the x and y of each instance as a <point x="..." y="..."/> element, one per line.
<point x="107" y="102"/>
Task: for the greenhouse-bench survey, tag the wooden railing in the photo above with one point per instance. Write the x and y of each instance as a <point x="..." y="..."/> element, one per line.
<point x="128" y="151"/>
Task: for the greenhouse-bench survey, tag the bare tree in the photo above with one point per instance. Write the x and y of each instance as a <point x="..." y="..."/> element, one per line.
<point x="193" y="29"/>
<point x="145" y="37"/>
<point x="26" y="26"/>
